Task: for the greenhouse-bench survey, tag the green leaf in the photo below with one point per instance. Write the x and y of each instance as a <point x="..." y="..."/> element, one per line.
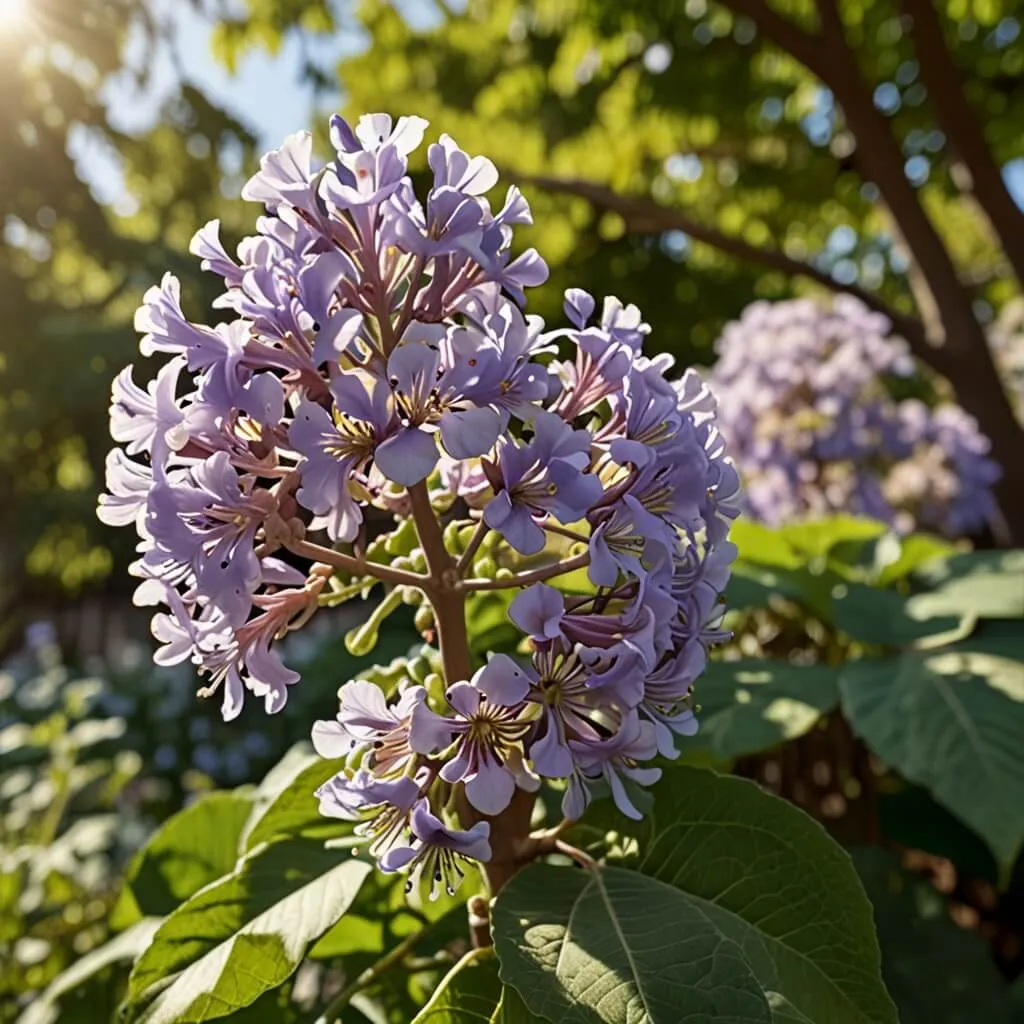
<point x="983" y="584"/>
<point x="468" y="993"/>
<point x="47" y="1009"/>
<point x="937" y="972"/>
<point x="620" y="948"/>
<point x="194" y="847"/>
<point x="763" y="545"/>
<point x="243" y="935"/>
<point x="914" y="551"/>
<point x="818" y="537"/>
<point x="772" y="880"/>
<point x="951" y="720"/>
<point x="783" y="1011"/>
<point x="512" y="1010"/>
<point x="877" y="616"/>
<point x="472" y="993"/>
<point x="295" y="811"/>
<point x="749" y="706"/>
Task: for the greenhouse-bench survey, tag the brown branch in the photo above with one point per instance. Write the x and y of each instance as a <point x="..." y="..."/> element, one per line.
<point x="446" y="599"/>
<point x="787" y="35"/>
<point x="644" y="216"/>
<point x="961" y="124"/>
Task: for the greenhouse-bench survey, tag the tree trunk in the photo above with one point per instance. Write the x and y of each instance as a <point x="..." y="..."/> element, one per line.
<point x="962" y="353"/>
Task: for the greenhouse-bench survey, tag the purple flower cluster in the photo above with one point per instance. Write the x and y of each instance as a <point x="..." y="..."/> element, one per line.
<point x="810" y="419"/>
<point x="378" y="356"/>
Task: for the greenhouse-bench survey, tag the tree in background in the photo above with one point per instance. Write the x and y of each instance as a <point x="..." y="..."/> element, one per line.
<point x="856" y="147"/>
<point x="72" y="268"/>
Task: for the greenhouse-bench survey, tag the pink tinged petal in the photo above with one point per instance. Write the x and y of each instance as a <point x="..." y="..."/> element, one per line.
<point x="429" y="732"/>
<point x="502" y="681"/>
<point x="491" y="789"/>
<point x="408" y="457"/>
<point x="465" y="698"/>
<point x="331" y="739"/>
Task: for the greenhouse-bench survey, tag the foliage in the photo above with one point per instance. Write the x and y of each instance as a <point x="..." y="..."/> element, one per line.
<point x="755" y="913"/>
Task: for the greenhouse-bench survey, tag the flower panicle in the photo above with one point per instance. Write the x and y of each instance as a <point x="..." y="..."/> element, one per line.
<point x="377" y="346"/>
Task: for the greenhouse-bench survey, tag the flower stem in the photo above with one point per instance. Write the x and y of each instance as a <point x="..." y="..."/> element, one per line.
<point x="466" y="560"/>
<point x="581" y="858"/>
<point x="523" y="579"/>
<point x="391" y="959"/>
<point x="355" y="566"/>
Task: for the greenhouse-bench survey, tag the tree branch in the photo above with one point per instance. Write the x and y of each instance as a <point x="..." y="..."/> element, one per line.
<point x="805" y="46"/>
<point x="446" y="598"/>
<point x="644" y="216"/>
<point x="961" y="124"/>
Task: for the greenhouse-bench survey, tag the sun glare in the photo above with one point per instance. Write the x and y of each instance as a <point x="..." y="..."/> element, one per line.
<point x="13" y="12"/>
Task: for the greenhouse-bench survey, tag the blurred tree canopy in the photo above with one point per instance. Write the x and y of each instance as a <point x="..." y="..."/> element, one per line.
<point x="690" y="156"/>
<point x="72" y="268"/>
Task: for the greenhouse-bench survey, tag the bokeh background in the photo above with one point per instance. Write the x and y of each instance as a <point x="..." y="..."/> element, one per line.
<point x="859" y="165"/>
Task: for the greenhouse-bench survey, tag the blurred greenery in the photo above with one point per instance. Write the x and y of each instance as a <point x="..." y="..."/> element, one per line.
<point x="681" y="106"/>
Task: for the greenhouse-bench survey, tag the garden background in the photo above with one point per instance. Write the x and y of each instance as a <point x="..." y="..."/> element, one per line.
<point x="689" y="156"/>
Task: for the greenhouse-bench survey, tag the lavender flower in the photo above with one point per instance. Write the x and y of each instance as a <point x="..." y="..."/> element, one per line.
<point x="819" y="431"/>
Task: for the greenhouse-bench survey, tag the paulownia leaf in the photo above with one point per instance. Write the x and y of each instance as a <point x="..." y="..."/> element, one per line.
<point x="771" y="879"/>
<point x="194" y="847"/>
<point x="294" y="810"/>
<point x="985" y="584"/>
<point x="616" y="947"/>
<point x="244" y="934"/>
<point x="472" y="993"/>
<point x="951" y="720"/>
<point x="749" y="706"/>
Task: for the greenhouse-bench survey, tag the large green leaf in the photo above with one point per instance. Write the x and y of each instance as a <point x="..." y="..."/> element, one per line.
<point x="937" y="973"/>
<point x="817" y="538"/>
<point x="293" y="810"/>
<point x="617" y="947"/>
<point x="984" y="584"/>
<point x="772" y="880"/>
<point x="244" y="934"/>
<point x="749" y="706"/>
<point x="877" y="616"/>
<point x="194" y="847"/>
<point x="951" y="720"/>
